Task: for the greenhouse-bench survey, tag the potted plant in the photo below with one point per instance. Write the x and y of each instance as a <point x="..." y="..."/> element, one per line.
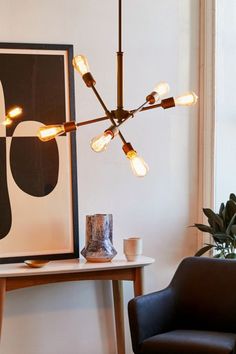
<point x="222" y="228"/>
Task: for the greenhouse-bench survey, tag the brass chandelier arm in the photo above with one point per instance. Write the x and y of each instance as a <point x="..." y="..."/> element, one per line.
<point x="139" y="109"/>
<point x="132" y="113"/>
<point x="165" y="104"/>
<point x="147" y="108"/>
<point x="108" y="113"/>
<point x="91" y="121"/>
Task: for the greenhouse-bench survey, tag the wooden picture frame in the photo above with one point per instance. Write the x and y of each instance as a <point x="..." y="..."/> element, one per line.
<point x="38" y="180"/>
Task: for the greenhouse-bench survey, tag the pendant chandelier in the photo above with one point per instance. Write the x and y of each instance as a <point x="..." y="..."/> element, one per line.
<point x="120" y="115"/>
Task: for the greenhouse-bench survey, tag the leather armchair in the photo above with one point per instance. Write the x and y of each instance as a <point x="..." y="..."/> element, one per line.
<point x="195" y="314"/>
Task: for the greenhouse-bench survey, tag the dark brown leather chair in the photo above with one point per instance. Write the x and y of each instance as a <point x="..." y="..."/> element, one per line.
<point x="195" y="314"/>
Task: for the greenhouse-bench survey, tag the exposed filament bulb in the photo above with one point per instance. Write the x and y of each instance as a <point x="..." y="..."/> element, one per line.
<point x="50" y="132"/>
<point x="80" y="63"/>
<point x="100" y="142"/>
<point x="187" y="99"/>
<point x="11" y="114"/>
<point x="138" y="165"/>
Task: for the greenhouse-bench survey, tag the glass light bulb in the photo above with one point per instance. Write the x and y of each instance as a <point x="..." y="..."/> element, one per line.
<point x="80" y="63"/>
<point x="100" y="142"/>
<point x="7" y="121"/>
<point x="187" y="99"/>
<point x="50" y="132"/>
<point x="162" y="88"/>
<point x="138" y="165"/>
<point x="14" y="112"/>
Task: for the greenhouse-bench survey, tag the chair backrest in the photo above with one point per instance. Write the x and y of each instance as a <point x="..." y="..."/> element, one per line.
<point x="205" y="290"/>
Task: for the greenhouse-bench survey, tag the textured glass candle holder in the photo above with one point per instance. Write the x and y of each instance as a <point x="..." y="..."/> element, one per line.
<point x="99" y="232"/>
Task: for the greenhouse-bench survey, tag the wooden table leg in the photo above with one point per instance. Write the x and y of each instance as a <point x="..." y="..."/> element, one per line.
<point x="119" y="315"/>
<point x="2" y="297"/>
<point x="138" y="281"/>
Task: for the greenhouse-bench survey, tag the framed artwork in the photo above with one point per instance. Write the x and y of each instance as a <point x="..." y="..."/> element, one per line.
<point x="38" y="180"/>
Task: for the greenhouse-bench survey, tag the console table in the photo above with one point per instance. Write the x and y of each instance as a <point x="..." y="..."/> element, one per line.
<point x="18" y="275"/>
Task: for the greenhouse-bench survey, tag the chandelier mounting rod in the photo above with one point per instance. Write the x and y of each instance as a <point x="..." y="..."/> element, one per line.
<point x="120" y="26"/>
<point x="120" y="61"/>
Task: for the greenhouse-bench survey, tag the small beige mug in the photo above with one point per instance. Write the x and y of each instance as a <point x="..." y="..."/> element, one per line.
<point x="133" y="248"/>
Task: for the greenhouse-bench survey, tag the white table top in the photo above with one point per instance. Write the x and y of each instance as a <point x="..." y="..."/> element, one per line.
<point x="69" y="266"/>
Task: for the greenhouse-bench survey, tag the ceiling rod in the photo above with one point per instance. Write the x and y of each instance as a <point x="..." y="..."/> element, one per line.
<point x="120" y="79"/>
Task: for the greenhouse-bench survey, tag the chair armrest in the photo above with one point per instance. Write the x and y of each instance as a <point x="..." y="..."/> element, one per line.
<point x="151" y="314"/>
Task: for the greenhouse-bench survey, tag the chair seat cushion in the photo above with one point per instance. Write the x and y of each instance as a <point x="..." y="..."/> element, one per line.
<point x="190" y="342"/>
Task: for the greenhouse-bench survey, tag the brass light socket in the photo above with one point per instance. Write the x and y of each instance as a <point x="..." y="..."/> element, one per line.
<point x="127" y="147"/>
<point x="89" y="80"/>
<point x="69" y="126"/>
<point x="168" y="103"/>
<point x="151" y="98"/>
<point x="113" y="131"/>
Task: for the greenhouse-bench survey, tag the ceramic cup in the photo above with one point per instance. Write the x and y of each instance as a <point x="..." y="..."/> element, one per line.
<point x="133" y="248"/>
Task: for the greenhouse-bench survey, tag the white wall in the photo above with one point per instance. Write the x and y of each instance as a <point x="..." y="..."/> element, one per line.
<point x="160" y="43"/>
<point x="225" y="101"/>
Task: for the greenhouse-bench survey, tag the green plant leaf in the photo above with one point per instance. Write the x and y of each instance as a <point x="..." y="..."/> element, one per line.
<point x="232" y="197"/>
<point x="231" y="209"/>
<point x="211" y="222"/>
<point x="220" y="237"/>
<point x="225" y="216"/>
<point x="218" y="255"/>
<point x="230" y="224"/>
<point x="203" y="250"/>
<point x="213" y="217"/>
<point x="204" y="228"/>
<point x="231" y="256"/>
<point x="222" y="206"/>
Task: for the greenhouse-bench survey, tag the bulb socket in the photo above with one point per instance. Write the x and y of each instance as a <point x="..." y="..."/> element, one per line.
<point x="69" y="127"/>
<point x="168" y="103"/>
<point x="152" y="97"/>
<point x="113" y="131"/>
<point x="89" y="80"/>
<point x="127" y="147"/>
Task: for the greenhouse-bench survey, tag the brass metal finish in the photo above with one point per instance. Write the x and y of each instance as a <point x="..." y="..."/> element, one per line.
<point x="91" y="121"/>
<point x="113" y="131"/>
<point x="69" y="126"/>
<point x="108" y="113"/>
<point x="123" y="114"/>
<point x="168" y="103"/>
<point x="36" y="263"/>
<point x="151" y="98"/>
<point x="150" y="107"/>
<point x="119" y="80"/>
<point x="139" y="109"/>
<point x="120" y="114"/>
<point x="120" y="60"/>
<point x="127" y="147"/>
<point x="89" y="80"/>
